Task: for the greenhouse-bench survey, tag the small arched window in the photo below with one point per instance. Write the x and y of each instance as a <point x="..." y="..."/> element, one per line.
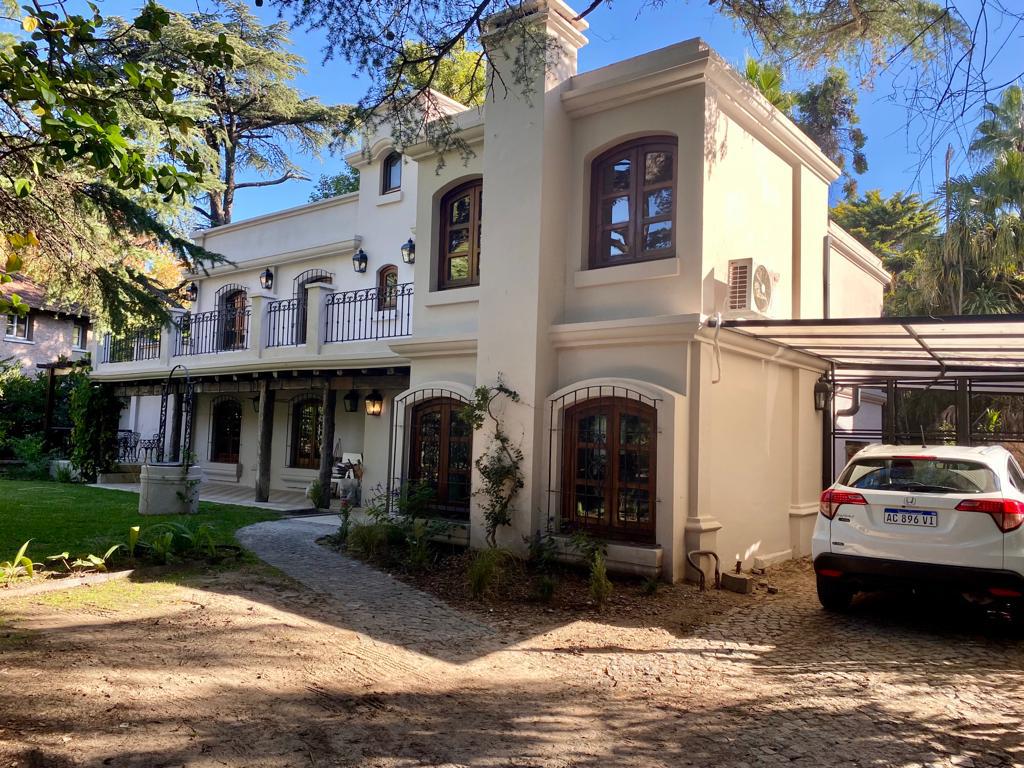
<point x="305" y="433"/>
<point x="461" y="216"/>
<point x="225" y="430"/>
<point x="387" y="287"/>
<point x="391" y="174"/>
<point x="633" y="202"/>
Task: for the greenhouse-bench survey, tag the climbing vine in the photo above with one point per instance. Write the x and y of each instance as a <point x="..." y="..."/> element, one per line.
<point x="500" y="466"/>
<point x="95" y="412"/>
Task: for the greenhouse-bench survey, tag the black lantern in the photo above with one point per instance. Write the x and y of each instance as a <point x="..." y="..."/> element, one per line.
<point x="359" y="260"/>
<point x="192" y="292"/>
<point x="822" y="394"/>
<point x="267" y="279"/>
<point x="351" y="401"/>
<point x="374" y="403"/>
<point x="409" y="251"/>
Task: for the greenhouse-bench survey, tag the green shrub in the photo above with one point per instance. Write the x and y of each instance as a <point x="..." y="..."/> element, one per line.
<point x="650" y="586"/>
<point x="95" y="412"/>
<point x="488" y="570"/>
<point x="65" y="474"/>
<point x="370" y="540"/>
<point x="544" y="587"/>
<point x="543" y="551"/>
<point x="600" y="586"/>
<point x="31" y="451"/>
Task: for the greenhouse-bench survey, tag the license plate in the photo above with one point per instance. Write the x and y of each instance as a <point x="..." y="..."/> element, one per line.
<point x="912" y="517"/>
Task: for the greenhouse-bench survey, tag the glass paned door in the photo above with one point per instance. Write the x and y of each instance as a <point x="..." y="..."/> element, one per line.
<point x="440" y="454"/>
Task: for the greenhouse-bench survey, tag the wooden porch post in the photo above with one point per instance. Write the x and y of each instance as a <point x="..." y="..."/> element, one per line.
<point x="265" y="429"/>
<point x="329" y="402"/>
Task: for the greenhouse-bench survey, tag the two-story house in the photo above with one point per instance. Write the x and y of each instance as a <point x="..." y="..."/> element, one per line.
<point x="581" y="255"/>
<point x="45" y="333"/>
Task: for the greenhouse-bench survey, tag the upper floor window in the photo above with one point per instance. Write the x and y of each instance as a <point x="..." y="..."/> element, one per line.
<point x="18" y="327"/>
<point x="391" y="174"/>
<point x="78" y="336"/>
<point x="459" y="262"/>
<point x="633" y="202"/>
<point x="387" y="287"/>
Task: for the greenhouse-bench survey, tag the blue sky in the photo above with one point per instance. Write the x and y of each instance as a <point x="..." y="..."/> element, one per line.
<point x="618" y="32"/>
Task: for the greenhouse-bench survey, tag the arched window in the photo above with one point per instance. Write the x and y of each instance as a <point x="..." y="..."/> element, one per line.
<point x="231" y="304"/>
<point x="225" y="430"/>
<point x="387" y="287"/>
<point x="459" y="251"/>
<point x="608" y="468"/>
<point x="305" y="433"/>
<point x="633" y="202"/>
<point x="391" y="173"/>
<point x="440" y="454"/>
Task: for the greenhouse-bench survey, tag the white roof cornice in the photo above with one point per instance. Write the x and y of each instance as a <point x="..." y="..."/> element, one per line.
<point x="200" y="236"/>
<point x="693" y="63"/>
<point x="850" y="248"/>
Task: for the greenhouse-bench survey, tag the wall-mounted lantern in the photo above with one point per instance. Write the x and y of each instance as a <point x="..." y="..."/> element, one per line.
<point x="359" y="260"/>
<point x="192" y="292"/>
<point x="267" y="279"/>
<point x="409" y="251"/>
<point x="351" y="401"/>
<point x="374" y="403"/>
<point x="822" y="394"/>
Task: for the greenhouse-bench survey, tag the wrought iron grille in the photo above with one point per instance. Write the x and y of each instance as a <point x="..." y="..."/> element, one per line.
<point x="400" y="443"/>
<point x="283" y="322"/>
<point x="629" y="496"/>
<point x="140" y="345"/>
<point x="365" y="314"/>
<point x="223" y="330"/>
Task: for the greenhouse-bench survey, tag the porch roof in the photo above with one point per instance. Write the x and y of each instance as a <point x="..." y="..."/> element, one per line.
<point x="975" y="346"/>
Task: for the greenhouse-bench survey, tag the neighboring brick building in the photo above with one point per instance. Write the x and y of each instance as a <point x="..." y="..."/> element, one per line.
<point x="45" y="334"/>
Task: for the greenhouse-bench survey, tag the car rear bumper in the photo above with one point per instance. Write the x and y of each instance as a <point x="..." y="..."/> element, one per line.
<point x="876" y="573"/>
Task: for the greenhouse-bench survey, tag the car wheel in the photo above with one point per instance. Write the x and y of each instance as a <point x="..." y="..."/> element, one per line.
<point x="833" y="594"/>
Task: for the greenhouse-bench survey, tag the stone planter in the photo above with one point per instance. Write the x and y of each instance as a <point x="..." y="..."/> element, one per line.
<point x="166" y="489"/>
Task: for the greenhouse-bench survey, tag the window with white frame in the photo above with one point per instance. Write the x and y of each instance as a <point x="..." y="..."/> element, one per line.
<point x="78" y="336"/>
<point x="18" y="327"/>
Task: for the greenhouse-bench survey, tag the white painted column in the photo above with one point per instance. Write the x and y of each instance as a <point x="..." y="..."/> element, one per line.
<point x="316" y="298"/>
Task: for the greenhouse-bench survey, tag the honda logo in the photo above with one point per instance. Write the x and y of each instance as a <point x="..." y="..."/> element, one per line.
<point x="910" y="500"/>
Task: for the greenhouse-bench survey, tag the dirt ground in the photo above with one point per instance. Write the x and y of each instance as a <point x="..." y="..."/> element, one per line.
<point x="248" y="668"/>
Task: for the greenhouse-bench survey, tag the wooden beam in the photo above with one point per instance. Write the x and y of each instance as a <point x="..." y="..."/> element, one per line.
<point x="265" y="434"/>
<point x="329" y="403"/>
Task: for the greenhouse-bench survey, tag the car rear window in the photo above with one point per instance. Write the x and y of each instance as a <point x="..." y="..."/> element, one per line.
<point x="920" y="474"/>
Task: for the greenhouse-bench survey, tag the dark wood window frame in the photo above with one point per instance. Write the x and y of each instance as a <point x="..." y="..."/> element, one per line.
<point x="232" y="305"/>
<point x="447" y="409"/>
<point x="612" y="485"/>
<point x="387" y="295"/>
<point x="297" y="455"/>
<point x="224" y="445"/>
<point x="392" y="161"/>
<point x="637" y="191"/>
<point x="474" y="190"/>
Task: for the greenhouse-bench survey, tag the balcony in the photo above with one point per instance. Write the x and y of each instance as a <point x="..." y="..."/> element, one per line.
<point x="140" y="345"/>
<point x="343" y="326"/>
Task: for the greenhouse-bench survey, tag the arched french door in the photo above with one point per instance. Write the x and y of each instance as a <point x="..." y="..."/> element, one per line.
<point x="609" y="464"/>
<point x="440" y="454"/>
<point x="233" y="325"/>
<point x="225" y="430"/>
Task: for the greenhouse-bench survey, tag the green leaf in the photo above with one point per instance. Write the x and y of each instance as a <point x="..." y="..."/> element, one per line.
<point x="22" y="187"/>
<point x="61" y="556"/>
<point x="29" y="23"/>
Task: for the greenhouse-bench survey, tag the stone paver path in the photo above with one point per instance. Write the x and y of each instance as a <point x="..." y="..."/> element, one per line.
<point x="369" y="601"/>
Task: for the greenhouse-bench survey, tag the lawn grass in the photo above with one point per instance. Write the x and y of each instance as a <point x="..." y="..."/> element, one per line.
<point x="60" y="517"/>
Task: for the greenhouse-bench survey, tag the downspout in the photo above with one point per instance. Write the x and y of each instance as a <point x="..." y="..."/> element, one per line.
<point x="854" y="403"/>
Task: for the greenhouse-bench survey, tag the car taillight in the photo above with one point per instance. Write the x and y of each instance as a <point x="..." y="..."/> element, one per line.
<point x="832" y="500"/>
<point x="1007" y="513"/>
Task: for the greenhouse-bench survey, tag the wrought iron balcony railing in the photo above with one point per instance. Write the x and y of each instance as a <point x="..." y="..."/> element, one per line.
<point x="140" y="345"/>
<point x="369" y="314"/>
<point x="286" y="322"/>
<point x="218" y="331"/>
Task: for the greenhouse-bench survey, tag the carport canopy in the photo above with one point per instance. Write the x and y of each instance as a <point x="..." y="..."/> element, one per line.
<point x="973" y="346"/>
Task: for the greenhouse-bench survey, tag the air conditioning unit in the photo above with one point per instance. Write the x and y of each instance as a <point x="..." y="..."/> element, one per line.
<point x="751" y="288"/>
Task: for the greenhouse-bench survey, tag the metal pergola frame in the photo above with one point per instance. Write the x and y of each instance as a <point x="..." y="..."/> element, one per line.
<point x="966" y="355"/>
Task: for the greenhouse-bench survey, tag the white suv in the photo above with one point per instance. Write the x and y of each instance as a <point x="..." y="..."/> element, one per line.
<point x="943" y="516"/>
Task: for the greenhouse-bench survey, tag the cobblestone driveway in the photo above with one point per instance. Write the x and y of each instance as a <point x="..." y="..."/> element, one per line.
<point x="777" y="683"/>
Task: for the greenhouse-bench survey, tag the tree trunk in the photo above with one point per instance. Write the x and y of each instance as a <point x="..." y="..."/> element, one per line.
<point x="265" y="435"/>
<point x="329" y="403"/>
